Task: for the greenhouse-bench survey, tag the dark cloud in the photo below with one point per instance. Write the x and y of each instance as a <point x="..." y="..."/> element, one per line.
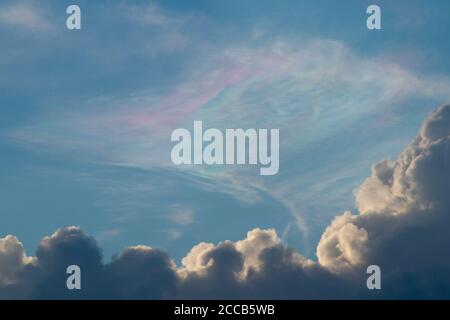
<point x="402" y="226"/>
<point x="137" y="273"/>
<point x="141" y="273"/>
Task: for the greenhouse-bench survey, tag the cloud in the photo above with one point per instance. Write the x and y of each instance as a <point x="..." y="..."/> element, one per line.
<point x="12" y="259"/>
<point x="313" y="91"/>
<point x="172" y="30"/>
<point x="413" y="182"/>
<point x="198" y="260"/>
<point x="411" y="191"/>
<point x="402" y="226"/>
<point x="138" y="272"/>
<point x="24" y="16"/>
<point x="257" y="267"/>
<point x="262" y="86"/>
<point x="141" y="273"/>
<point x="227" y="270"/>
<point x="404" y="216"/>
<point x="181" y="215"/>
<point x="151" y="15"/>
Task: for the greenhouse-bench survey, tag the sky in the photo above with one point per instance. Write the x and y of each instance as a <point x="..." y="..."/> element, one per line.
<point x="86" y="117"/>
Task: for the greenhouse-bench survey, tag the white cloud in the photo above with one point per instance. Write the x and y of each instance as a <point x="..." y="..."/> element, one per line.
<point x="170" y="30"/>
<point x="150" y="14"/>
<point x="181" y="215"/>
<point x="399" y="198"/>
<point x="24" y="16"/>
<point x="200" y="259"/>
<point x="12" y="259"/>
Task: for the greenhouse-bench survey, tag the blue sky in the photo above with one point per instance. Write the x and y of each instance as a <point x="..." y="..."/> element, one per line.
<point x="86" y="115"/>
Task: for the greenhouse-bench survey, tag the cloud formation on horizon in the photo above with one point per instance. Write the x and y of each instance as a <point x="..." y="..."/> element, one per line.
<point x="402" y="226"/>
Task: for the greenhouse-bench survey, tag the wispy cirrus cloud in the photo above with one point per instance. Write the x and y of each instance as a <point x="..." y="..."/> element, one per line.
<point x="281" y="85"/>
<point x="320" y="94"/>
<point x="171" y="31"/>
<point x="25" y="16"/>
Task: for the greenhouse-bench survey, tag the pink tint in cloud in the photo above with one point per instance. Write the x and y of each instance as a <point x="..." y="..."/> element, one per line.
<point x="203" y="86"/>
<point x="172" y="109"/>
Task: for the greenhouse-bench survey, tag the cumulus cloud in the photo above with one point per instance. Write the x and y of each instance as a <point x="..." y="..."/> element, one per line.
<point x="139" y="272"/>
<point x="12" y="259"/>
<point x="402" y="226"/>
<point x="199" y="259"/>
<point x="418" y="180"/>
<point x="404" y="215"/>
